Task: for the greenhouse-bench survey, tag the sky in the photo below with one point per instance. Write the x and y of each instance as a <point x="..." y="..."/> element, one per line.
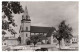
<point x="50" y="14"/>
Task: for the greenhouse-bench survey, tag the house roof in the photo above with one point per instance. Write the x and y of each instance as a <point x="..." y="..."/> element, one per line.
<point x="11" y="39"/>
<point x="38" y="29"/>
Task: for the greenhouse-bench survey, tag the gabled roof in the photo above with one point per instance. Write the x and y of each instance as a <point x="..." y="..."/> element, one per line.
<point x="38" y="29"/>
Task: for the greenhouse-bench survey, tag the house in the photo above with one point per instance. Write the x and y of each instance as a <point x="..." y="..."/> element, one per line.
<point x="70" y="43"/>
<point x="74" y="40"/>
<point x="10" y="41"/>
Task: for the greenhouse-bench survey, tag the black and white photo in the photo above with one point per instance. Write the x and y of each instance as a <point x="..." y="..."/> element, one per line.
<point x="40" y="26"/>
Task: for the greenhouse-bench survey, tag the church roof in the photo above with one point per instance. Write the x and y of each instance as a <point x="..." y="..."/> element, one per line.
<point x="39" y="29"/>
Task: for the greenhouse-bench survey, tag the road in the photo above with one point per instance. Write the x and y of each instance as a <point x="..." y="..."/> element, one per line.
<point x="49" y="46"/>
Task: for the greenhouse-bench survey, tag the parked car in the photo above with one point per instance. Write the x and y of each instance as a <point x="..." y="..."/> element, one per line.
<point x="42" y="49"/>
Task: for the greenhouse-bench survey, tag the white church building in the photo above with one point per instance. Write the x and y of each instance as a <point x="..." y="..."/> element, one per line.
<point x="26" y="30"/>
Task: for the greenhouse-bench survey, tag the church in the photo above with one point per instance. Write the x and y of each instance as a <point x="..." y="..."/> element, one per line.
<point x="26" y="30"/>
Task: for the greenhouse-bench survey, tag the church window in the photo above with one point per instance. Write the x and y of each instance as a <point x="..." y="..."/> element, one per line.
<point x="26" y="28"/>
<point x="41" y="33"/>
<point x="26" y="17"/>
<point x="36" y="33"/>
<point x="26" y="35"/>
<point x="4" y="43"/>
<point x="32" y="33"/>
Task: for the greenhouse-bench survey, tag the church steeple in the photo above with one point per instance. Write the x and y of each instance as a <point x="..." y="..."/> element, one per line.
<point x="25" y="27"/>
<point x="25" y="16"/>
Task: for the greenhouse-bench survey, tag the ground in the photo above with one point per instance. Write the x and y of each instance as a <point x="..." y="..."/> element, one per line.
<point x="49" y="46"/>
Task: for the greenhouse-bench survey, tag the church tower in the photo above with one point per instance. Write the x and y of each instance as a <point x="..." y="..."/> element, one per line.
<point x="25" y="27"/>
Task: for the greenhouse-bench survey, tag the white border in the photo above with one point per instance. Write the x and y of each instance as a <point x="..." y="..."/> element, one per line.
<point x="33" y="0"/>
<point x="39" y="0"/>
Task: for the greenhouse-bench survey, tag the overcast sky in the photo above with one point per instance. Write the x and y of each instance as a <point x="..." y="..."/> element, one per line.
<point x="51" y="14"/>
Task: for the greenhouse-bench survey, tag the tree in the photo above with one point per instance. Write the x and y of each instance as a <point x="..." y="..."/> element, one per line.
<point x="41" y="37"/>
<point x="51" y="30"/>
<point x="64" y="32"/>
<point x="3" y="32"/>
<point x="34" y="39"/>
<point x="19" y="39"/>
<point x="9" y="8"/>
<point x="13" y="32"/>
<point x="37" y="38"/>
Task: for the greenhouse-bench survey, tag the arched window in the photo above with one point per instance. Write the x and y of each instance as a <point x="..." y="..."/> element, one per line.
<point x="26" y="28"/>
<point x="23" y="17"/>
<point x="26" y="35"/>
